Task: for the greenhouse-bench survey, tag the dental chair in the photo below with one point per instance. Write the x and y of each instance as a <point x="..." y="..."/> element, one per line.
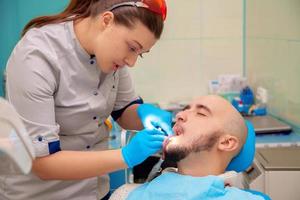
<point x="16" y="149"/>
<point x="233" y="175"/>
<point x="244" y="159"/>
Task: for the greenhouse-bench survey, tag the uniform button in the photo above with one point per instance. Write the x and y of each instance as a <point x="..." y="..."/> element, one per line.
<point x="113" y="86"/>
<point x="88" y="146"/>
<point x="113" y="137"/>
<point x="94" y="118"/>
<point x="40" y="138"/>
<point x="95" y="93"/>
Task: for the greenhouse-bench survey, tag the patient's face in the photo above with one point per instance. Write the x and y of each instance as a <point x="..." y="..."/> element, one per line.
<point x="197" y="128"/>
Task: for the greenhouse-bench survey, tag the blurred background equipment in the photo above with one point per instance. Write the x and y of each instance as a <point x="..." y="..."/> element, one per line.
<point x="16" y="151"/>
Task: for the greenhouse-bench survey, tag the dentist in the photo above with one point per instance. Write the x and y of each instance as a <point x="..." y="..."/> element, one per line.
<point x="65" y="77"/>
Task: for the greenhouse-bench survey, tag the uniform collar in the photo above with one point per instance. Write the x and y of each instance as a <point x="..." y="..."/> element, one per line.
<point x="79" y="50"/>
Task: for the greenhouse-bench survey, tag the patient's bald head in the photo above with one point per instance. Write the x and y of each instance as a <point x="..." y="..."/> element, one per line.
<point x="230" y="120"/>
<point x="210" y="123"/>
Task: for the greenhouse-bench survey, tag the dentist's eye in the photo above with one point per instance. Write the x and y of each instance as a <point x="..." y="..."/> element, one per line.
<point x="132" y="49"/>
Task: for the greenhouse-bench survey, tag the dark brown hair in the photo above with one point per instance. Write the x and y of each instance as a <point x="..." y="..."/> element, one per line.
<point x="126" y="15"/>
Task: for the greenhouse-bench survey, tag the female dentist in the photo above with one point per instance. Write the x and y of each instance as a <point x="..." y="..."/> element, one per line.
<point x="65" y="77"/>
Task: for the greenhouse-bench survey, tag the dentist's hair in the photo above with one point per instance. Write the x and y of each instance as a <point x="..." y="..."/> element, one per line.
<point x="125" y="15"/>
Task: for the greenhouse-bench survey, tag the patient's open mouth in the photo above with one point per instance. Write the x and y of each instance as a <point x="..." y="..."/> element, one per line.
<point x="178" y="130"/>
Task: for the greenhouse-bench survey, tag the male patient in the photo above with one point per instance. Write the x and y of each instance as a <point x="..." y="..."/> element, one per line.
<point x="207" y="135"/>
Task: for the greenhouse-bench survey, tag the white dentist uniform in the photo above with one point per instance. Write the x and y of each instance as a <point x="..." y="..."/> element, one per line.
<point x="63" y="99"/>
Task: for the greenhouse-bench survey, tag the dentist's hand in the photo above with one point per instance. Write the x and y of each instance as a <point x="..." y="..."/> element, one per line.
<point x="153" y="117"/>
<point x="142" y="145"/>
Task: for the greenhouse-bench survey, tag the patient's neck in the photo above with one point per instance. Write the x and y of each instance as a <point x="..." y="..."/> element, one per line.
<point x="202" y="164"/>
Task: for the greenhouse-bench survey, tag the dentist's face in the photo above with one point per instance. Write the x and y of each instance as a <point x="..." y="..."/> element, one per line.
<point x="118" y="46"/>
<point x="197" y="128"/>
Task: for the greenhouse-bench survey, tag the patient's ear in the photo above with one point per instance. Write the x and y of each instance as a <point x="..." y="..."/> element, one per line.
<point x="228" y="143"/>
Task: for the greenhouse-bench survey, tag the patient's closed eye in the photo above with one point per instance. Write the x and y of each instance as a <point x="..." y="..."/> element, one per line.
<point x="201" y="114"/>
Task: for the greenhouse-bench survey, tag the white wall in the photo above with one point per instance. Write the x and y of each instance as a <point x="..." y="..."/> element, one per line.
<point x="202" y="39"/>
<point x="273" y="48"/>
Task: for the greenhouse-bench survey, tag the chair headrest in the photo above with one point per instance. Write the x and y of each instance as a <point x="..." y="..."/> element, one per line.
<point x="245" y="157"/>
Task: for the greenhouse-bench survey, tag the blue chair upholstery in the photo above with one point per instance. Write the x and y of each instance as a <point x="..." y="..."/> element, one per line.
<point x="266" y="197"/>
<point x="245" y="158"/>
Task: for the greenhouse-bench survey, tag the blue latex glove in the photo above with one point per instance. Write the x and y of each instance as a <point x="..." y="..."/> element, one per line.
<point x="144" y="144"/>
<point x="155" y="118"/>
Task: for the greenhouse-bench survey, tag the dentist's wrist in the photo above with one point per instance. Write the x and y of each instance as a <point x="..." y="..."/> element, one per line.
<point x="125" y="157"/>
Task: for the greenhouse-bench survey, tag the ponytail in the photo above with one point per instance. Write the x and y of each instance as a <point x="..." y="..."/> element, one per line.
<point x="75" y="10"/>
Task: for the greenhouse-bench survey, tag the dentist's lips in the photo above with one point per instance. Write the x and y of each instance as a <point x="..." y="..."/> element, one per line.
<point x="115" y="67"/>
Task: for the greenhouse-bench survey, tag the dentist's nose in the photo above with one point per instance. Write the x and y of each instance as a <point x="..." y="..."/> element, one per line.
<point x="131" y="60"/>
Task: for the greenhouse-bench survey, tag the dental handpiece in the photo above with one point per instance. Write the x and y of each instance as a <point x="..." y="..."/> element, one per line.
<point x="161" y="130"/>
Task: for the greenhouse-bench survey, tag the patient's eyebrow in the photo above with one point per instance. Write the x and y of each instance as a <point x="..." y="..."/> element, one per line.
<point x="201" y="106"/>
<point x="186" y="107"/>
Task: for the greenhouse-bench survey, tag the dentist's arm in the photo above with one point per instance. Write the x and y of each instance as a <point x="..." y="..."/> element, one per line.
<point x="72" y="165"/>
<point x="129" y="119"/>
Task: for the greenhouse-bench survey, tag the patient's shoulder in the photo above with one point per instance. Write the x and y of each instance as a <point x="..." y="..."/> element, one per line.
<point x="123" y="191"/>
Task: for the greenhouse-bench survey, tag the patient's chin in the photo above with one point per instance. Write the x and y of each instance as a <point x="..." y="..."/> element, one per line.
<point x="175" y="153"/>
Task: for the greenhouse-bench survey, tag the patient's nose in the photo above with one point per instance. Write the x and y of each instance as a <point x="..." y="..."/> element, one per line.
<point x="181" y="116"/>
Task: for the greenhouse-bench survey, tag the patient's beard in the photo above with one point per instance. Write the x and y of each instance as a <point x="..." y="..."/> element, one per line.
<point x="175" y="153"/>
